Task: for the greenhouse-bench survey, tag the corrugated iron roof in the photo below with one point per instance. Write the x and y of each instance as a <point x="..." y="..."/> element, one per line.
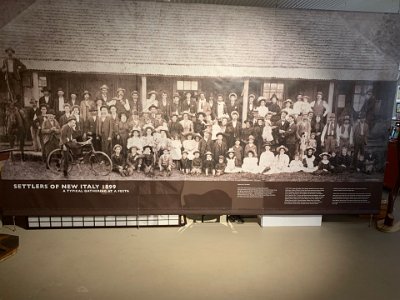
<point x="124" y="36"/>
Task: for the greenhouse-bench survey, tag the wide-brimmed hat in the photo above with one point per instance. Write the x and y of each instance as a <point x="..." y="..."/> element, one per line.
<point x="288" y="100"/>
<point x="187" y="152"/>
<point x="234" y="113"/>
<point x="60" y="89"/>
<point x="117" y="146"/>
<point x="133" y="146"/>
<point x="103" y="106"/>
<point x="221" y="157"/>
<point x="9" y="49"/>
<point x="310" y="148"/>
<point x="86" y="92"/>
<point x="148" y="126"/>
<point x="46" y="89"/>
<point x="104" y="87"/>
<point x="252" y="95"/>
<point x="232" y="94"/>
<point x="71" y="118"/>
<point x="220" y="133"/>
<point x="261" y="98"/>
<point x="281" y="147"/>
<point x="152" y="92"/>
<point x="175" y="114"/>
<point x="269" y="144"/>
<point x="201" y="113"/>
<point x="75" y="106"/>
<point x="230" y="150"/>
<point x="176" y="95"/>
<point x="194" y="152"/>
<point x="121" y="90"/>
<point x="153" y="106"/>
<point x="251" y="137"/>
<point x="197" y="135"/>
<point x="208" y="153"/>
<point x="148" y="147"/>
<point x="134" y="93"/>
<point x="325" y="153"/>
<point x="346" y="117"/>
<point x="137" y="129"/>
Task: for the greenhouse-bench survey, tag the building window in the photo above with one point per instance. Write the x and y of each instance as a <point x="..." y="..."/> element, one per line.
<point x="187" y="85"/>
<point x="360" y="90"/>
<point x="271" y="88"/>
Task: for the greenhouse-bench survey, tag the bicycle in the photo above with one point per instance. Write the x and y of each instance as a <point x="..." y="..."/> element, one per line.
<point x="100" y="162"/>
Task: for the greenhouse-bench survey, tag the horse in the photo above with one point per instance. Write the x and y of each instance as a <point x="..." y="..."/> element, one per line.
<point x="16" y="126"/>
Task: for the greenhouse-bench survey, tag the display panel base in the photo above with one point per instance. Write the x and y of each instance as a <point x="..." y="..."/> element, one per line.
<point x="289" y="220"/>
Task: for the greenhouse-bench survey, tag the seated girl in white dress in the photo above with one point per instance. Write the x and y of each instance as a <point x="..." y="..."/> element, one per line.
<point x="250" y="163"/>
<point x="231" y="163"/>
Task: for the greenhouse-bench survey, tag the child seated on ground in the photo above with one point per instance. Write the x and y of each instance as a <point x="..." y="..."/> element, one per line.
<point x="282" y="161"/>
<point x="343" y="161"/>
<point x="133" y="161"/>
<point x="197" y="163"/>
<point x="250" y="163"/>
<point x="360" y="164"/>
<point x="231" y="162"/>
<point x="370" y="160"/>
<point x="118" y="160"/>
<point x="148" y="161"/>
<point x="220" y="166"/>
<point x="185" y="164"/>
<point x="324" y="166"/>
<point x="165" y="163"/>
<point x="309" y="160"/>
<point x="208" y="164"/>
<point x="266" y="159"/>
<point x="296" y="165"/>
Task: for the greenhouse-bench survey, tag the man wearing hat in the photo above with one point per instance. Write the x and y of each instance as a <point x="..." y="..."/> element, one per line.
<point x="219" y="108"/>
<point x="90" y="126"/>
<point x="151" y="101"/>
<point x="360" y="138"/>
<point x="67" y="142"/>
<point x="13" y="69"/>
<point x="205" y="144"/>
<point x="281" y="126"/>
<point x="220" y="147"/>
<point x="233" y="129"/>
<point x="59" y="101"/>
<point x="291" y="137"/>
<point x="104" y="130"/>
<point x="329" y="134"/>
<point x="46" y="98"/>
<point x="122" y="104"/>
<point x="104" y="95"/>
<point x="189" y="104"/>
<point x="251" y="106"/>
<point x="319" y="106"/>
<point x="164" y="106"/>
<point x="86" y="105"/>
<point x="200" y="125"/>
<point x="233" y="104"/>
<point x="67" y="113"/>
<point x="176" y="105"/>
<point x="202" y="105"/>
<point x="50" y="134"/>
<point x="73" y="99"/>
<point x="174" y="126"/>
<point x="345" y="134"/>
<point x="32" y="115"/>
<point x="135" y="103"/>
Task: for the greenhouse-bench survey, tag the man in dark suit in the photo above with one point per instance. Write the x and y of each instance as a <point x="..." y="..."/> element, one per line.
<point x="234" y="129"/>
<point x="205" y="144"/>
<point x="46" y="99"/>
<point x="291" y="137"/>
<point x="233" y="104"/>
<point x="176" y="107"/>
<point x="104" y="130"/>
<point x="189" y="104"/>
<point x="281" y="127"/>
<point x="13" y="68"/>
<point x="220" y="147"/>
<point x="33" y="115"/>
<point x="90" y="128"/>
<point x="73" y="100"/>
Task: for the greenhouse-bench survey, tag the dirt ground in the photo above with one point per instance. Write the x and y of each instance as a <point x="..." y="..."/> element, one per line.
<point x="36" y="170"/>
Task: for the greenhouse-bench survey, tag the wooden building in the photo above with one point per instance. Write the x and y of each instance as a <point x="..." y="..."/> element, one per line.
<point x="80" y="45"/>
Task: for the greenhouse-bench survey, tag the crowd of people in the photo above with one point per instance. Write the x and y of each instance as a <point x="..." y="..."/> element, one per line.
<point x="199" y="135"/>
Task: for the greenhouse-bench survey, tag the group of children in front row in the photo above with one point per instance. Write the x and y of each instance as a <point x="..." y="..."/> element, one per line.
<point x="145" y="160"/>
